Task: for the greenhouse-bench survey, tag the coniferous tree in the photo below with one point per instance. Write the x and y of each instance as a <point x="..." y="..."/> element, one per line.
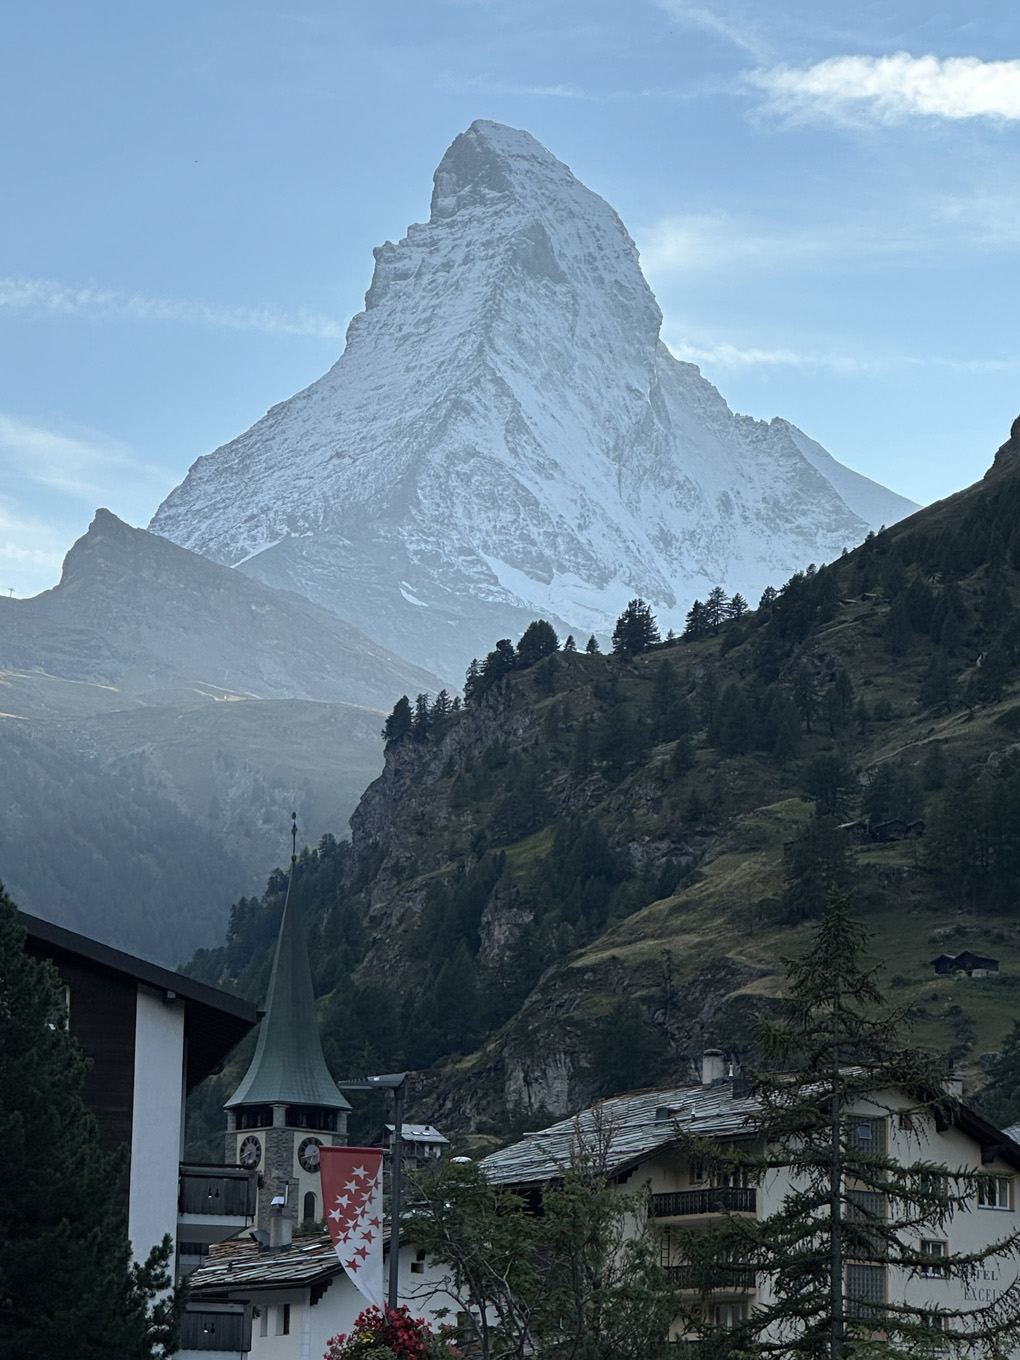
<point x="815" y="862"/>
<point x="538" y="640"/>
<point x="715" y="608"/>
<point x="592" y="646"/>
<point x="830" y="781"/>
<point x="636" y="630"/>
<point x="472" y="681"/>
<point x="671" y="713"/>
<point x="399" y="722"/>
<point x="696" y="624"/>
<point x="422" y="719"/>
<point x="805" y="696"/>
<point x="857" y="1205"/>
<point x="999" y="1102"/>
<point x="68" y="1290"/>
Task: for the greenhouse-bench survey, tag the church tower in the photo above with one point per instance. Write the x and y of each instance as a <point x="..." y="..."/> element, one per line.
<point x="288" y="1105"/>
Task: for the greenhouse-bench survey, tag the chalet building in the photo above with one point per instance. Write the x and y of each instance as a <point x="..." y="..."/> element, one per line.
<point x="420" y="1144"/>
<point x="635" y="1137"/>
<point x="152" y="1035"/>
<point x="965" y="965"/>
<point x="295" y="1297"/>
<point x="881" y="833"/>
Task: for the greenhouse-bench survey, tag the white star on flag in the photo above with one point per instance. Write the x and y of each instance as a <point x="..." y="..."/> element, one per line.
<point x="359" y="1248"/>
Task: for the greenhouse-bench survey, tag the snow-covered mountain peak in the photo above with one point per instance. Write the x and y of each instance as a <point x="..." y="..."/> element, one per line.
<point x="506" y="435"/>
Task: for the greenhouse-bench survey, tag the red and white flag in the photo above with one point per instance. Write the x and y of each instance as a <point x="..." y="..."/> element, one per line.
<point x="353" y="1200"/>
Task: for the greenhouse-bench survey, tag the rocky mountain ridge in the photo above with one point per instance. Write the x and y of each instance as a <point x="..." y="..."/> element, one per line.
<point x="160" y="715"/>
<point x="592" y="872"/>
<point x="506" y="436"/>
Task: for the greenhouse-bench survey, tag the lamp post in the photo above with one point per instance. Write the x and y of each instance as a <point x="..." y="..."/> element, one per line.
<point x="390" y="1081"/>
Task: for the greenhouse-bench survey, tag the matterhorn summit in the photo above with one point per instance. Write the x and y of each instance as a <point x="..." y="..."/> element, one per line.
<point x="506" y="436"/>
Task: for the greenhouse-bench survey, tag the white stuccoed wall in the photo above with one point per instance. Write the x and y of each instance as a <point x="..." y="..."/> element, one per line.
<point x="156" y="1120"/>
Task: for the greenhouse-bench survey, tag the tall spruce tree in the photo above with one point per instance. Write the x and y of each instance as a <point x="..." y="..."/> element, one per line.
<point x="68" y="1290"/>
<point x="636" y="630"/>
<point x="840" y="1260"/>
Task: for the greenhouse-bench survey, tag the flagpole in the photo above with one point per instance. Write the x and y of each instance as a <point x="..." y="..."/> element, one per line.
<point x="396" y="1164"/>
<point x="390" y="1081"/>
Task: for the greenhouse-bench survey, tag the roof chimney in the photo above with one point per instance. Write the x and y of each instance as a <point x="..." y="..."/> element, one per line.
<point x="280" y="1226"/>
<point x="713" y="1066"/>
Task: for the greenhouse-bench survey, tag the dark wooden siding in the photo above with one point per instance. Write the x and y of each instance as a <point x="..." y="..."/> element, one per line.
<point x="103" y="1021"/>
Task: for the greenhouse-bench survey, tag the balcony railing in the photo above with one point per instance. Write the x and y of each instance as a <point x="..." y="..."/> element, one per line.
<point x="216" y="1327"/>
<point x="718" y="1278"/>
<point x="716" y="1199"/>
<point x="221" y="1192"/>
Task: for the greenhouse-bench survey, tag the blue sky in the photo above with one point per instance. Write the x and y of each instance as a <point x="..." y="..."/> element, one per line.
<point x="826" y="199"/>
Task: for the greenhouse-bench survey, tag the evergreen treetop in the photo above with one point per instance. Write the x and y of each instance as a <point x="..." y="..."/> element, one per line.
<point x="836" y="1260"/>
<point x="68" y="1289"/>
<point x="636" y="630"/>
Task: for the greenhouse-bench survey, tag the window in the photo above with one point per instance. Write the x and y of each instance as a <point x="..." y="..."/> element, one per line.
<point x="309" y="1205"/>
<point x="865" y="1207"/>
<point x="283" y="1319"/>
<point x="865" y="1288"/>
<point x="933" y="1250"/>
<point x="696" y="1170"/>
<point x="867" y="1135"/>
<point x="740" y="1176"/>
<point x="418" y="1264"/>
<point x="906" y="1122"/>
<point x="729" y="1314"/>
<point x="993" y="1192"/>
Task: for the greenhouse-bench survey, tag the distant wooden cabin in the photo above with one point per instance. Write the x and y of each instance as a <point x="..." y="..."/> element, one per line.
<point x="881" y="833"/>
<point x="967" y="963"/>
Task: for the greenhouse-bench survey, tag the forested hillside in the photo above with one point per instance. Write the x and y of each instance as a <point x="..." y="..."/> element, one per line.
<point x="574" y="880"/>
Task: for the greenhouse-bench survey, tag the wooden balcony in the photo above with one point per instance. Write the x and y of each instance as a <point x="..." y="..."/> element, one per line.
<point x="717" y="1199"/>
<point x="219" y="1191"/>
<point x="720" y="1279"/>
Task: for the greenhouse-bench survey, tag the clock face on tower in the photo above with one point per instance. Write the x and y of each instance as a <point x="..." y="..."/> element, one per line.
<point x="308" y="1153"/>
<point x="250" y="1152"/>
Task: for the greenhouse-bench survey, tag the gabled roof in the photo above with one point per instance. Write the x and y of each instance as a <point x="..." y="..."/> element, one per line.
<point x="418" y="1133"/>
<point x="240" y="1264"/>
<point x="214" y="1020"/>
<point x="622" y="1131"/>
<point x="288" y="1067"/>
<point x="625" y="1130"/>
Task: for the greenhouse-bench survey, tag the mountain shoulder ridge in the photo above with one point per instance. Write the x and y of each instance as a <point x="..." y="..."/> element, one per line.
<point x="593" y="870"/>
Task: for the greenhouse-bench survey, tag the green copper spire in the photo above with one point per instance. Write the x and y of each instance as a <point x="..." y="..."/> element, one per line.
<point x="288" y="1067"/>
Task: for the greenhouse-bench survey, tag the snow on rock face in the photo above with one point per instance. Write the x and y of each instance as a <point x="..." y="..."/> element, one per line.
<point x="505" y="436"/>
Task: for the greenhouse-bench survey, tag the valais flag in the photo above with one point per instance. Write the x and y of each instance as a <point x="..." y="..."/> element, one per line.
<point x="353" y="1200"/>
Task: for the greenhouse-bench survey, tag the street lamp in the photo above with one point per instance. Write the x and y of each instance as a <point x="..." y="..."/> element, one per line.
<point x="389" y="1081"/>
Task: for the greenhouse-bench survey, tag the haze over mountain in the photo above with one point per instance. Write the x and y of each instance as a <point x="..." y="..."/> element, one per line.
<point x="161" y="717"/>
<point x="506" y="435"/>
<point x="596" y="868"/>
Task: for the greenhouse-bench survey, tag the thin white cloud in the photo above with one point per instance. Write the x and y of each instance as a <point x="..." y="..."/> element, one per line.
<point x="49" y="297"/>
<point x="740" y="32"/>
<point x="722" y="354"/>
<point x="73" y="466"/>
<point x="705" y="242"/>
<point x="31" y="551"/>
<point x="894" y="87"/>
<point x="491" y="85"/>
